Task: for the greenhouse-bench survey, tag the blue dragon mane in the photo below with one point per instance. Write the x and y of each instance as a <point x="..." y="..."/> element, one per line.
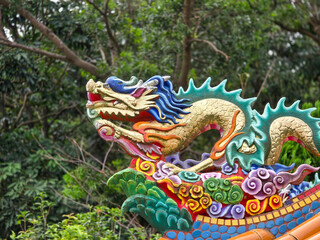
<point x="170" y="107"/>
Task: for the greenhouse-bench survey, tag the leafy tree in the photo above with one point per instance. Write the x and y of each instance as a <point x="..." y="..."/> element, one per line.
<point x="49" y="49"/>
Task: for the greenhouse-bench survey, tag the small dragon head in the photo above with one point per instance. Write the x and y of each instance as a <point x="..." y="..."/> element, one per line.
<point x="132" y="101"/>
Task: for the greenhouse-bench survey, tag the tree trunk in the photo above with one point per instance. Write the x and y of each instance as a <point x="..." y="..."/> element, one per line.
<point x="3" y="119"/>
<point x="187" y="51"/>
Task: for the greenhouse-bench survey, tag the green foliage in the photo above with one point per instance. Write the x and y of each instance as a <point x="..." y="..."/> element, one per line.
<point x="99" y="223"/>
<point x="24" y="173"/>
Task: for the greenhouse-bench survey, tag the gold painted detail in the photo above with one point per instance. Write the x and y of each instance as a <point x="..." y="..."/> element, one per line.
<point x="247" y="149"/>
<point x="285" y="127"/>
<point x="218" y="111"/>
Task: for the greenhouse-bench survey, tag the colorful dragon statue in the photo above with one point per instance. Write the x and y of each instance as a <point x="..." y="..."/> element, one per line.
<point x="238" y="190"/>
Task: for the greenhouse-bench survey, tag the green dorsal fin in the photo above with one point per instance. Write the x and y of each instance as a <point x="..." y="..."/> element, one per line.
<point x="206" y="91"/>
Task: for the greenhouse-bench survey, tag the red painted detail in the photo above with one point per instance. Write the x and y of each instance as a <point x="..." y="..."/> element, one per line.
<point x="209" y="169"/>
<point x="94" y="97"/>
<point x="164" y="186"/>
<point x="133" y="163"/>
<point x="307" y="193"/>
<point x="301" y="196"/>
<point x="294" y="139"/>
<point x="137" y="93"/>
<point x="313" y="190"/>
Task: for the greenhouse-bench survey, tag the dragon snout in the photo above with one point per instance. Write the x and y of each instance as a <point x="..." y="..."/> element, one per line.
<point x="91" y="85"/>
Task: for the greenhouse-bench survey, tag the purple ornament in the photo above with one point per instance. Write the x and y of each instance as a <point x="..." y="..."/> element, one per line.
<point x="165" y="172"/>
<point x="229" y="170"/>
<point x="238" y="211"/>
<point x="252" y="185"/>
<point x="215" y="209"/>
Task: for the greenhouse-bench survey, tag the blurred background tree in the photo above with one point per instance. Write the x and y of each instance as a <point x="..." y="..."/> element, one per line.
<point x="49" y="49"/>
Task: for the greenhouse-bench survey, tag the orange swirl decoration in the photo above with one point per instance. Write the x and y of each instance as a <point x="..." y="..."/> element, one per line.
<point x="196" y="191"/>
<point x="183" y="193"/>
<point x="194" y="205"/>
<point x="275" y="202"/>
<point x="254" y="206"/>
<point x="205" y="201"/>
<point x="145" y="167"/>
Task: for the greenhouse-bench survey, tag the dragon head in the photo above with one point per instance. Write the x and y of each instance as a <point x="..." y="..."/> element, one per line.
<point x="132" y="101"/>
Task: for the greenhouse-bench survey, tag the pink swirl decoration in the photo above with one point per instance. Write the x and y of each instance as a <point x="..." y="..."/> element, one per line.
<point x="263" y="173"/>
<point x="259" y="183"/>
<point x="216" y="210"/>
<point x="269" y="188"/>
<point x="252" y="185"/>
<point x="279" y="182"/>
<point x="284" y="178"/>
<point x="262" y="183"/>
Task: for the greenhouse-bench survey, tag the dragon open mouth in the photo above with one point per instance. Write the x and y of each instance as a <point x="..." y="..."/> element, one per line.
<point x="112" y="107"/>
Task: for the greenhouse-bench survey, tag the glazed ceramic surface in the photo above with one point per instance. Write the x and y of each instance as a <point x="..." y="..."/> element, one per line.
<point x="238" y="190"/>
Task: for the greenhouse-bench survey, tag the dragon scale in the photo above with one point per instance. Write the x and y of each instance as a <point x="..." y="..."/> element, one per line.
<point x="285" y="127"/>
<point x="218" y="112"/>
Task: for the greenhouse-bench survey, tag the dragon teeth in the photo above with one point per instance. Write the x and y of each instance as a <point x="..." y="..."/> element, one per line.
<point x="131" y="114"/>
<point x="116" y="111"/>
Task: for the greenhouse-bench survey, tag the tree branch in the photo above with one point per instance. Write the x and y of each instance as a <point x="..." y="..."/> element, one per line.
<point x="266" y="77"/>
<point x="106" y="156"/>
<point x="299" y="30"/>
<point x="71" y="57"/>
<point x="70" y="199"/>
<point x="23" y="106"/>
<point x="45" y="116"/>
<point x="32" y="49"/>
<point x="212" y="46"/>
<point x="106" y="22"/>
